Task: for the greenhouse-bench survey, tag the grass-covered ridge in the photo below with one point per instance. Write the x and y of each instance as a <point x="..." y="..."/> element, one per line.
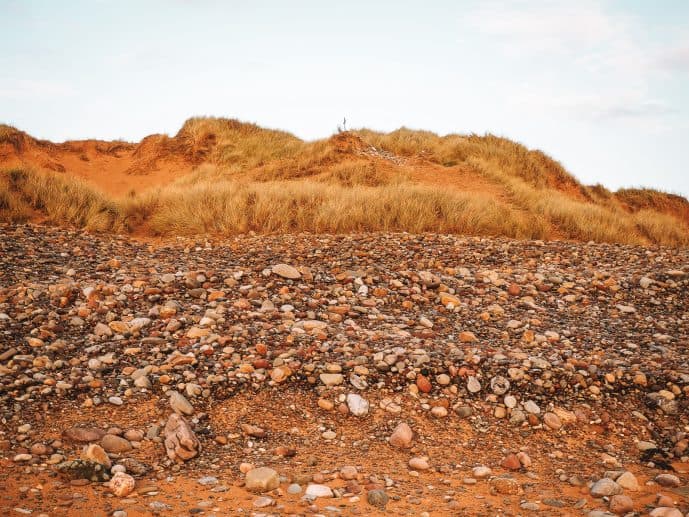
<point x="245" y="178"/>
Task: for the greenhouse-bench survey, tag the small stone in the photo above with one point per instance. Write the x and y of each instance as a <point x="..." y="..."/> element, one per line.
<point x="511" y="462"/>
<point x="531" y="407"/>
<point x="122" y="484"/>
<point x="443" y="379"/>
<point x="314" y="491"/>
<point x="134" y="435"/>
<point x="253" y="430"/>
<point x="83" y="469"/>
<point x="294" y="488"/>
<point x="40" y="449"/>
<point x="357" y="404"/>
<point x="504" y="486"/>
<point x="262" y="479"/>
<point x="419" y="463"/>
<point x="95" y="452"/>
<point x="552" y="421"/>
<point x="423" y="384"/>
<point x="325" y="404"/>
<point x="115" y="444"/>
<point x="605" y="487"/>
<point x="348" y="472"/>
<point x="180" y="442"/>
<point x="280" y="374"/>
<point x="263" y="502"/>
<point x="524" y="459"/>
<point x="473" y="385"/>
<point x="180" y="404"/>
<point x="467" y="337"/>
<point x="83" y="434"/>
<point x="628" y="481"/>
<point x="449" y="299"/>
<point x="464" y="411"/>
<point x="665" y="511"/>
<point x="286" y="271"/>
<point x="621" y="504"/>
<point x="402" y="436"/>
<point x="499" y="385"/>
<point x="667" y="480"/>
<point x="378" y="498"/>
<point x="245" y="467"/>
<point x="332" y="379"/>
<point x="481" y="472"/>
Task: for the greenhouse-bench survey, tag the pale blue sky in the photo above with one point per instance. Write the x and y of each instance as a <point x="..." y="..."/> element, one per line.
<point x="603" y="86"/>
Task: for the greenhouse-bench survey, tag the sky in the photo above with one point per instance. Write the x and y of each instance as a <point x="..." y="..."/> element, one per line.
<point x="601" y="86"/>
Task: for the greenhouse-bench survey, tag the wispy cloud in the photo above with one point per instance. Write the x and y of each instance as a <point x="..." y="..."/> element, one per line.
<point x="34" y="89"/>
<point x="605" y="63"/>
<point x="674" y="59"/>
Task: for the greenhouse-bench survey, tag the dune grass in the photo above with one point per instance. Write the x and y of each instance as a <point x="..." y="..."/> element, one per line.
<point x="61" y="200"/>
<point x="232" y="206"/>
<point x="254" y="179"/>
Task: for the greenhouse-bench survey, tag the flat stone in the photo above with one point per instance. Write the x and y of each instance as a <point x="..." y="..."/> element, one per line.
<point x="83" y="434"/>
<point x="332" y="379"/>
<point x="115" y="444"/>
<point x="263" y="502"/>
<point x="286" y="271"/>
<point x="621" y="504"/>
<point x="667" y="480"/>
<point x="605" y="487"/>
<point x="180" y="404"/>
<point x="628" y="481"/>
<point x="314" y="491"/>
<point x="262" y="479"/>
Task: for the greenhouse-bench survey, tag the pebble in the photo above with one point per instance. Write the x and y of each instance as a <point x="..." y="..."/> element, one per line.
<point x="481" y="472"/>
<point x="402" y="436"/>
<point x="667" y="480"/>
<point x="531" y="407"/>
<point x="286" y="271"/>
<point x="263" y="502"/>
<point x="530" y="315"/>
<point x="628" y="481"/>
<point x="122" y="484"/>
<point x="419" y="463"/>
<point x="314" y="491"/>
<point x="180" y="404"/>
<point x="357" y="405"/>
<point x="665" y="511"/>
<point x="294" y="488"/>
<point x="115" y="444"/>
<point x="262" y="479"/>
<point x="621" y="504"/>
<point x="377" y="498"/>
<point x="605" y="487"/>
<point x="332" y="379"/>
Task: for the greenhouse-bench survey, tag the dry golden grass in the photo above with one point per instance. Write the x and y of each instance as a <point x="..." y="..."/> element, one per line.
<point x="231" y="207"/>
<point x="61" y="200"/>
<point x="254" y="179"/>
